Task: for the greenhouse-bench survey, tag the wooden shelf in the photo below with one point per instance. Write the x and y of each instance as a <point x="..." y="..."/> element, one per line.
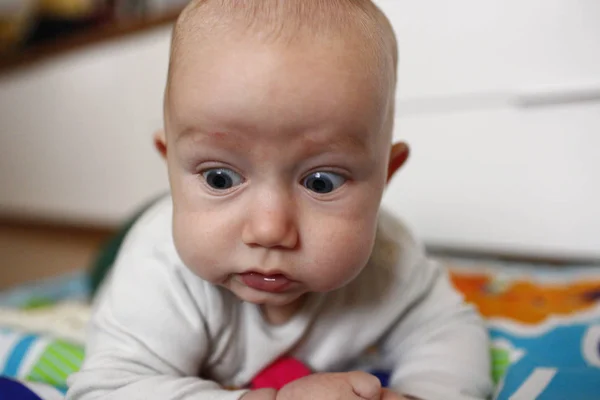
<point x="70" y="42"/>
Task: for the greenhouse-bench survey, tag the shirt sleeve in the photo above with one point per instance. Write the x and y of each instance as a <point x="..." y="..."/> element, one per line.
<point x="147" y="338"/>
<point x="440" y="345"/>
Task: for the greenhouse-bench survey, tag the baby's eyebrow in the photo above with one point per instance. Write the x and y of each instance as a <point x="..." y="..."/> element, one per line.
<point x="339" y="142"/>
<point x="309" y="144"/>
<point x="196" y="135"/>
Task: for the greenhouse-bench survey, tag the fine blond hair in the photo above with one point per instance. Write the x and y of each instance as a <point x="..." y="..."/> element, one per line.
<point x="287" y="21"/>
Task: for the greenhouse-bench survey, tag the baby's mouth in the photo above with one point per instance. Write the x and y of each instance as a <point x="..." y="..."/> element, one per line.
<point x="266" y="283"/>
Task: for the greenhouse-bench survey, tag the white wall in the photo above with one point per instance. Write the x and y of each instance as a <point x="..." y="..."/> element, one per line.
<point x="499" y="101"/>
<point x="494" y="49"/>
<point x="76" y="132"/>
<point x="505" y="180"/>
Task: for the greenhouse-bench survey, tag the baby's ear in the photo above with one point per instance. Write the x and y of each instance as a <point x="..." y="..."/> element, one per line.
<point x="398" y="155"/>
<point x="160" y="143"/>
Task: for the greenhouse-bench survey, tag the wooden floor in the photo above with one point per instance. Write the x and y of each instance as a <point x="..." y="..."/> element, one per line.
<point x="29" y="252"/>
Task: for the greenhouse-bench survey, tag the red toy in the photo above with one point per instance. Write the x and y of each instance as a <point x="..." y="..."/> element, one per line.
<point x="279" y="374"/>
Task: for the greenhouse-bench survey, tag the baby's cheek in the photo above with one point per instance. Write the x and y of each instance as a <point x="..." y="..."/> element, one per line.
<point x="343" y="253"/>
<point x="196" y="246"/>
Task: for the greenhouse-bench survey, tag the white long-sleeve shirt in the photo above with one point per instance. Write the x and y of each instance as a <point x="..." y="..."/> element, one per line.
<point x="160" y="332"/>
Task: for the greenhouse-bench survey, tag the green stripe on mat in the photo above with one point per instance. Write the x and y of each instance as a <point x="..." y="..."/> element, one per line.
<point x="72" y="355"/>
<point x="58" y="361"/>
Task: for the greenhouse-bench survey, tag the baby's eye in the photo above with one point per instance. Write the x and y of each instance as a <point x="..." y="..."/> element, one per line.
<point x="323" y="182"/>
<point x="222" y="178"/>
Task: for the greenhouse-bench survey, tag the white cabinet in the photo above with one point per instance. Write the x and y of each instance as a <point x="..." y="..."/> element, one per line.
<point x="505" y="180"/>
<point x="76" y="132"/>
<point x="496" y="48"/>
<point x="500" y="101"/>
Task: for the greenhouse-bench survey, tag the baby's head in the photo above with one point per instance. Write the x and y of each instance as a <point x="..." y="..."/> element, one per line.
<point x="278" y="126"/>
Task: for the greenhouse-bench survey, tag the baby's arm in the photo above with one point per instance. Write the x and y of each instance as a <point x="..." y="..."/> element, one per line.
<point x="440" y="346"/>
<point x="147" y="339"/>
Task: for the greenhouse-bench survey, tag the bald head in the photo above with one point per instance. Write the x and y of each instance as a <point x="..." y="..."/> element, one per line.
<point x="359" y="22"/>
<point x="343" y="39"/>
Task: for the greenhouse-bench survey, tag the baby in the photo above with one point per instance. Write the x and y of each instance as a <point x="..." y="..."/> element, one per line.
<point x="278" y="128"/>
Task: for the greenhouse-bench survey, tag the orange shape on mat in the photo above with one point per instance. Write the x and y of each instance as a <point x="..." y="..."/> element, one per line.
<point x="526" y="301"/>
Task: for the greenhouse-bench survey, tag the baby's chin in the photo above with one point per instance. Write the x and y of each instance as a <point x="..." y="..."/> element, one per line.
<point x="261" y="298"/>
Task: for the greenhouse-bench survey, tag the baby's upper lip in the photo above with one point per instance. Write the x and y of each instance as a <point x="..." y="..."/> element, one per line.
<point x="272" y="281"/>
<point x="269" y="273"/>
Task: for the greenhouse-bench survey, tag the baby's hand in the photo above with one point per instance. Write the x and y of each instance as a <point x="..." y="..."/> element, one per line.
<point x="260" y="394"/>
<point x="333" y="386"/>
<point x="387" y="394"/>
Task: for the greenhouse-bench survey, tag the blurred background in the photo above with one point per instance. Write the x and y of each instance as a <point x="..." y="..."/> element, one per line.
<point x="499" y="100"/>
<point x="27" y="23"/>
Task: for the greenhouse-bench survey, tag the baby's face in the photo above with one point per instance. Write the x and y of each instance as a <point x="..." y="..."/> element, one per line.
<point x="277" y="160"/>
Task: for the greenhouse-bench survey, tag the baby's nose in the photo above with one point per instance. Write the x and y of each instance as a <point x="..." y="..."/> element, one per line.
<point x="270" y="224"/>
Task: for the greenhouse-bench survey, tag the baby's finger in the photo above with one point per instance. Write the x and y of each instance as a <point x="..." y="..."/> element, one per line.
<point x="366" y="386"/>
<point x="387" y="394"/>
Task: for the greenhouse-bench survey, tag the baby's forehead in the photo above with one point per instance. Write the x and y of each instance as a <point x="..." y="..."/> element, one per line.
<point x="317" y="86"/>
<point x="352" y="36"/>
<point x="358" y="22"/>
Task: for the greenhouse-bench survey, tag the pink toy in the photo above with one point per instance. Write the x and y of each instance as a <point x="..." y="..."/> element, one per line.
<point x="279" y="374"/>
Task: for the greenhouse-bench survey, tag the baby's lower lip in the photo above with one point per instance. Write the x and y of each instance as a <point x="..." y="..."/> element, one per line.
<point x="266" y="283"/>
